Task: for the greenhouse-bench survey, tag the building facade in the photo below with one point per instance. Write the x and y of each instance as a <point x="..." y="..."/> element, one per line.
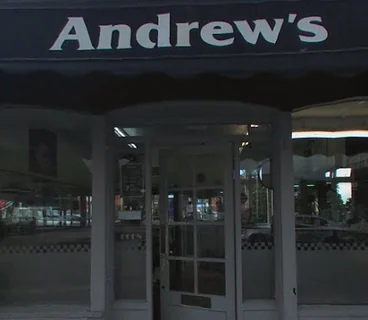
<point x="183" y="160"/>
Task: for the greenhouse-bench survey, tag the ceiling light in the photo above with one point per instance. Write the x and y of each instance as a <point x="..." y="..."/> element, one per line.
<point x="119" y="132"/>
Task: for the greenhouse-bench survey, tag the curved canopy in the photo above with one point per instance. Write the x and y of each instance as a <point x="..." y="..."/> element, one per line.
<point x="95" y="56"/>
<point x="100" y="93"/>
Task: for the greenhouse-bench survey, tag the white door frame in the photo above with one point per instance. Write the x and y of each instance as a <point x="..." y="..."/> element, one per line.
<point x="227" y="303"/>
<point x="193" y="112"/>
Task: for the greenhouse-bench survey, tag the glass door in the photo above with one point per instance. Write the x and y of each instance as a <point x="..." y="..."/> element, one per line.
<point x="197" y="233"/>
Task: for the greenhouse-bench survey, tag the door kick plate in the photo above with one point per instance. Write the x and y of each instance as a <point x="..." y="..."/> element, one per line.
<point x="196" y="301"/>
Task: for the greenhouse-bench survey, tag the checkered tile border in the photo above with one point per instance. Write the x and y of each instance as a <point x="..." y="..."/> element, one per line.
<point x="257" y="245"/>
<point x="353" y="246"/>
<point x="310" y="246"/>
<point x="64" y="248"/>
<point x="70" y="248"/>
<point x="141" y="246"/>
<point x="131" y="246"/>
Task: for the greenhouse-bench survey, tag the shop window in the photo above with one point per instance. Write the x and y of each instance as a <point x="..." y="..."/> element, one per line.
<point x="130" y="222"/>
<point x="45" y="208"/>
<point x="256" y="209"/>
<point x="331" y="211"/>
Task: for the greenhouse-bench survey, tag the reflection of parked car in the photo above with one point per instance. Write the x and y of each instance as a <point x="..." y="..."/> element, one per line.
<point x="330" y="235"/>
<point x="207" y="214"/>
<point x="204" y="214"/>
<point x="19" y="225"/>
<point x="308" y="229"/>
<point x="259" y="232"/>
<point x="315" y="221"/>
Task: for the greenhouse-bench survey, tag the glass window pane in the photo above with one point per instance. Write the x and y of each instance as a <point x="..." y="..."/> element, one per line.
<point x="330" y="188"/>
<point x="181" y="275"/>
<point x="209" y="171"/>
<point x="180" y="172"/>
<point x="45" y="209"/>
<point x="181" y="241"/>
<point x="211" y="242"/>
<point x="210" y="204"/>
<point x="130" y="225"/>
<point x="256" y="209"/>
<point x="181" y="206"/>
<point x="211" y="278"/>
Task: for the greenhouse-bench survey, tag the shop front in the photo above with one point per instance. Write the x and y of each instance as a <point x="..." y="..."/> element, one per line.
<point x="183" y="161"/>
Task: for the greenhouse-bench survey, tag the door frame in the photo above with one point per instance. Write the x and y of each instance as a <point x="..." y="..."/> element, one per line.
<point x="194" y="112"/>
<point x="225" y="303"/>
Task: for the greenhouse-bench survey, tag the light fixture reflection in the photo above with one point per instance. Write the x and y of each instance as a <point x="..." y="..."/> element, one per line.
<point x="330" y="134"/>
<point x="121" y="134"/>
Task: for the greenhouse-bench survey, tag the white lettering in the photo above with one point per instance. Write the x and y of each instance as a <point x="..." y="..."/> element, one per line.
<point x="211" y="29"/>
<point x="214" y="33"/>
<point x="80" y="35"/>
<point x="184" y="29"/>
<point x="106" y="34"/>
<point x="261" y="27"/>
<point x="163" y="33"/>
<point x="312" y="26"/>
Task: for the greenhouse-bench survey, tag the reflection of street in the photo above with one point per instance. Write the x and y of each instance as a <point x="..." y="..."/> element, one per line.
<point x="69" y="235"/>
<point x="310" y="229"/>
<point x="52" y="236"/>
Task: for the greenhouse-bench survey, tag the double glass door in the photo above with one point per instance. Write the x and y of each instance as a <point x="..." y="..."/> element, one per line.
<point x="197" y="233"/>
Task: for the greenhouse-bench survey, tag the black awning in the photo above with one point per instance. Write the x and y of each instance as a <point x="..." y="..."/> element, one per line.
<point x="285" y="54"/>
<point x="237" y="39"/>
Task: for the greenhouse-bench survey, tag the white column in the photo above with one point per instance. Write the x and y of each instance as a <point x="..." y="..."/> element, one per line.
<point x="284" y="218"/>
<point x="102" y="233"/>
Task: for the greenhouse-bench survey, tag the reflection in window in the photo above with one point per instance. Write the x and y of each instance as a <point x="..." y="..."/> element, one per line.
<point x="331" y="206"/>
<point x="130" y="223"/>
<point x="181" y="275"/>
<point x="45" y="210"/>
<point x="330" y="183"/>
<point x="181" y="242"/>
<point x="256" y="209"/>
<point x="211" y="278"/>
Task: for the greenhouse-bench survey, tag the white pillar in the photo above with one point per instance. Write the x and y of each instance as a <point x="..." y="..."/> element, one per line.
<point x="102" y="233"/>
<point x="284" y="219"/>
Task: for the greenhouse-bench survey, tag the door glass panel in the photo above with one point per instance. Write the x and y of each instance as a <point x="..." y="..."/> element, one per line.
<point x="162" y="239"/>
<point x="181" y="241"/>
<point x="211" y="242"/>
<point x="195" y="211"/>
<point x="211" y="278"/>
<point x="210" y="205"/>
<point x="181" y="275"/>
<point x="209" y="170"/>
<point x="180" y="172"/>
<point x="180" y="204"/>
